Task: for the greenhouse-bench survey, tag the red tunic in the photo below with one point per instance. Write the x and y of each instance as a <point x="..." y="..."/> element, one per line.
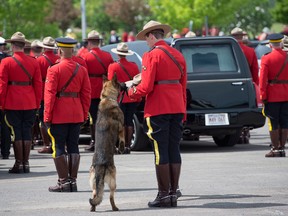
<point x="252" y="61"/>
<point x="95" y="68"/>
<point x="66" y="109"/>
<point x="82" y="52"/>
<point x="44" y="64"/>
<point x="80" y="60"/>
<point x="162" y="98"/>
<point x="270" y="66"/>
<point x="122" y="76"/>
<point x="17" y="97"/>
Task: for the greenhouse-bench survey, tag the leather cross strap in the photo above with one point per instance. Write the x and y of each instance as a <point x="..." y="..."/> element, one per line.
<point x="125" y="70"/>
<point x="275" y="80"/>
<point x="99" y="60"/>
<point x="23" y="68"/>
<point x="173" y="59"/>
<point x="62" y="93"/>
<point x="48" y="60"/>
<point x="166" y="82"/>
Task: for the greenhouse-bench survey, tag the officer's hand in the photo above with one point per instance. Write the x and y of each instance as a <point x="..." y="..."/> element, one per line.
<point x="47" y="124"/>
<point x="123" y="86"/>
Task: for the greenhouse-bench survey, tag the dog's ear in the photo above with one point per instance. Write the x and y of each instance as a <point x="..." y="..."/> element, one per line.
<point x="114" y="79"/>
<point x="104" y="78"/>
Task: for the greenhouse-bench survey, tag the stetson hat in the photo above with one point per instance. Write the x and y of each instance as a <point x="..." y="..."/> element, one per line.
<point x="94" y="35"/>
<point x="35" y="44"/>
<point x="2" y="41"/>
<point x="16" y="37"/>
<point x="122" y="49"/>
<point x="27" y="44"/>
<point x="48" y="43"/>
<point x="238" y="31"/>
<point x="150" y="26"/>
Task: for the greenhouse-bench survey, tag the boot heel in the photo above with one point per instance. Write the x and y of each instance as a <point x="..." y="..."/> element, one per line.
<point x="173" y="200"/>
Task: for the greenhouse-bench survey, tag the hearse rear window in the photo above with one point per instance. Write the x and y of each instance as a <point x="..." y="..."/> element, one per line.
<point x="209" y="58"/>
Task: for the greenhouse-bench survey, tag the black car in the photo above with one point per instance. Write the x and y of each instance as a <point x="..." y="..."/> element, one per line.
<point x="221" y="96"/>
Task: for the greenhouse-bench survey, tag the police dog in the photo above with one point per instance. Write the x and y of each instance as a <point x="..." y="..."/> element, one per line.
<point x="109" y="130"/>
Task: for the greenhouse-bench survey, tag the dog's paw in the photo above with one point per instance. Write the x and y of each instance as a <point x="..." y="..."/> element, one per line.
<point x="93" y="209"/>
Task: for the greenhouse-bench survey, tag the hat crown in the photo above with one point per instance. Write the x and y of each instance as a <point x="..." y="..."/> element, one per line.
<point x="18" y="36"/>
<point x="150" y="24"/>
<point x="94" y="35"/>
<point x="237" y="31"/>
<point x="35" y="43"/>
<point x="49" y="41"/>
<point x="122" y="47"/>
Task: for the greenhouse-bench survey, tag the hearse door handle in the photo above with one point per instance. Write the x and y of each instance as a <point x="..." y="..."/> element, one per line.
<point x="237" y="83"/>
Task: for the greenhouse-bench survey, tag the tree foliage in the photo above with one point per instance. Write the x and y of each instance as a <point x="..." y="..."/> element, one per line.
<point x="127" y="12"/>
<point x="26" y="16"/>
<point x="280" y="12"/>
<point x="226" y="14"/>
<point x="63" y="13"/>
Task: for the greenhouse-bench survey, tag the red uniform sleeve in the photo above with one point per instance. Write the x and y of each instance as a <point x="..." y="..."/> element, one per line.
<point x="254" y="68"/>
<point x="37" y="84"/>
<point x="85" y="95"/>
<point x="50" y="92"/>
<point x="263" y="81"/>
<point x="3" y="82"/>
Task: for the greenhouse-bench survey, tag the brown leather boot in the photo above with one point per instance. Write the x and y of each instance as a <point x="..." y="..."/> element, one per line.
<point x="74" y="161"/>
<point x="47" y="149"/>
<point x="274" y="152"/>
<point x="163" y="199"/>
<point x="18" y="153"/>
<point x="283" y="139"/>
<point x="26" y="154"/>
<point x="91" y="147"/>
<point x="174" y="180"/>
<point x="63" y="184"/>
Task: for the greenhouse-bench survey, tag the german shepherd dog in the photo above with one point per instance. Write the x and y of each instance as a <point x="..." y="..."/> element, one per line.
<point x="109" y="130"/>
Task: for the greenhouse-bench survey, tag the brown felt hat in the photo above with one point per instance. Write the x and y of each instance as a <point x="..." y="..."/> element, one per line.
<point x="153" y="25"/>
<point x="48" y="43"/>
<point x="16" y="37"/>
<point x="122" y="49"/>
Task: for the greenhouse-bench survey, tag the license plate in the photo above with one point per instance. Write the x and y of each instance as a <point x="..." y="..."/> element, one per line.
<point x="216" y="119"/>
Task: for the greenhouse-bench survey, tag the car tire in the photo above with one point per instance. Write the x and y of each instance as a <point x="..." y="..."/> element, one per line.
<point x="140" y="141"/>
<point x="228" y="140"/>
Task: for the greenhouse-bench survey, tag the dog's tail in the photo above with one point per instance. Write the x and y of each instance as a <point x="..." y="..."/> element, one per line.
<point x="99" y="182"/>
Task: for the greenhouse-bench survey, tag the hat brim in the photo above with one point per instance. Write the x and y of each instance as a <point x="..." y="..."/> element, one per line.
<point x="89" y="39"/>
<point x="14" y="40"/>
<point x="114" y="50"/>
<point x="164" y="27"/>
<point x="40" y="44"/>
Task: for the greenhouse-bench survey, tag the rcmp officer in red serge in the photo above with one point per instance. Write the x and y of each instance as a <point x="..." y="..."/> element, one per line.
<point x="97" y="62"/>
<point x="274" y="94"/>
<point x="125" y="71"/>
<point x="164" y="85"/>
<point x="45" y="60"/>
<point x="20" y="96"/>
<point x="67" y="97"/>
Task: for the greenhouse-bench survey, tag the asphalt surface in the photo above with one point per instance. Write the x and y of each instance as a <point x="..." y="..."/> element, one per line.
<point x="214" y="181"/>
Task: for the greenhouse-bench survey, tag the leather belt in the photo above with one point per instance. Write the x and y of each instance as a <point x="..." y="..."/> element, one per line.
<point x="28" y="83"/>
<point x="166" y="82"/>
<point x="278" y="81"/>
<point x="96" y="75"/>
<point x="67" y="94"/>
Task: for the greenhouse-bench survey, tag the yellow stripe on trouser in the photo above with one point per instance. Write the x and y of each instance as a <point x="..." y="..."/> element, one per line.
<point x="156" y="149"/>
<point x="90" y="119"/>
<point x="269" y="121"/>
<point x="11" y="127"/>
<point x="53" y="143"/>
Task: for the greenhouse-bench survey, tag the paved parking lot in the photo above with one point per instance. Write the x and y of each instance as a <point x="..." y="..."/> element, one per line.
<point x="214" y="181"/>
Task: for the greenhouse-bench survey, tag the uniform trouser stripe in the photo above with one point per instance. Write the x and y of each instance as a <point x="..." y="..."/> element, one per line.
<point x="90" y="119"/>
<point x="155" y="144"/>
<point x="11" y="127"/>
<point x="269" y="120"/>
<point x="53" y="143"/>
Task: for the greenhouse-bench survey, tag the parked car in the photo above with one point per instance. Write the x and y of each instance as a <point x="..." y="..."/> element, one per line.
<point x="221" y="96"/>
